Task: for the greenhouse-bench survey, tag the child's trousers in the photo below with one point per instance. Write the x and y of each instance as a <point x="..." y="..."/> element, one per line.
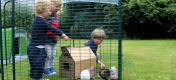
<point x="37" y="57"/>
<point x="51" y="53"/>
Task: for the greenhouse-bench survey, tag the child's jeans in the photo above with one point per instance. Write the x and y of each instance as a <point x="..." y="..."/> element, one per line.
<point x="51" y="53"/>
<point x="37" y="57"/>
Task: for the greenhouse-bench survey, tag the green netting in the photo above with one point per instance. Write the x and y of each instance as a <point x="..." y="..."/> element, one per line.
<point x="77" y="19"/>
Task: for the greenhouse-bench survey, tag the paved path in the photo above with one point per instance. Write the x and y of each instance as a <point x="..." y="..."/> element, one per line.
<point x="17" y="58"/>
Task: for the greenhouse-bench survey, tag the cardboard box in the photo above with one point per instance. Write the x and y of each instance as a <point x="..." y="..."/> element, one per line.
<point x="75" y="59"/>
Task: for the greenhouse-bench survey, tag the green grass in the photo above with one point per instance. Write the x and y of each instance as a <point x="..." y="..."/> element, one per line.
<point x="7" y="51"/>
<point x="142" y="60"/>
<point x="149" y="60"/>
<point x="8" y="48"/>
<point x="23" y="46"/>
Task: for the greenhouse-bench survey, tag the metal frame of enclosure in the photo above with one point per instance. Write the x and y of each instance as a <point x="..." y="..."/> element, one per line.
<point x="77" y="19"/>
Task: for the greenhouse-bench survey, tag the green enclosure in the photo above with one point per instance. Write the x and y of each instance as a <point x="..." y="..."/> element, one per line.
<point x="77" y="19"/>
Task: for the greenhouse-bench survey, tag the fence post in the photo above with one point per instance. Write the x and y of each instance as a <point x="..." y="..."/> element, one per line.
<point x="1" y="52"/>
<point x="120" y="41"/>
<point x="13" y="37"/>
<point x="4" y="26"/>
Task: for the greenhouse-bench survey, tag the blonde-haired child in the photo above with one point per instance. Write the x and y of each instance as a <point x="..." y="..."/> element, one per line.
<point x="52" y="38"/>
<point x="36" y="48"/>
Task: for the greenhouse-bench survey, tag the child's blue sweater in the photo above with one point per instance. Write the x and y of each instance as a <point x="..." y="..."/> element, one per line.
<point x="93" y="46"/>
<point x="40" y="27"/>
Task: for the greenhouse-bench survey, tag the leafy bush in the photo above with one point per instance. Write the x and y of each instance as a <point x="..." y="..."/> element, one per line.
<point x="23" y="17"/>
<point x="149" y="18"/>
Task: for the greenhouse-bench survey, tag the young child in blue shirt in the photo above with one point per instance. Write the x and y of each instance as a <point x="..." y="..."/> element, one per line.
<point x="36" y="48"/>
<point x="97" y="37"/>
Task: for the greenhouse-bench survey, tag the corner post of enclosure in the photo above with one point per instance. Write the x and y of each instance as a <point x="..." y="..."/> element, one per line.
<point x="13" y="35"/>
<point x="120" y="40"/>
<point x="1" y="52"/>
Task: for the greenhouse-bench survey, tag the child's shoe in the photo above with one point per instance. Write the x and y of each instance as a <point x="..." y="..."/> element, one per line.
<point x="40" y="79"/>
<point x="44" y="79"/>
<point x="52" y="71"/>
<point x="47" y="71"/>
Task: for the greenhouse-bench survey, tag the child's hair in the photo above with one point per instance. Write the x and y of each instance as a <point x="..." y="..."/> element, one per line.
<point x="41" y="5"/>
<point x="58" y="3"/>
<point x="98" y="33"/>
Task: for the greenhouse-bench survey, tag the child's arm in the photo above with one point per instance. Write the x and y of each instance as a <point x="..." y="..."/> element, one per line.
<point x="101" y="64"/>
<point x="54" y="30"/>
<point x="58" y="32"/>
<point x="65" y="37"/>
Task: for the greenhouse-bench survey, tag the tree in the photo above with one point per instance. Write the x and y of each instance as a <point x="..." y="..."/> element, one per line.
<point x="149" y="18"/>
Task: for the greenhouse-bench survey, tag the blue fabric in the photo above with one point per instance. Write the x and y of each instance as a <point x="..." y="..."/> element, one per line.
<point x="37" y="57"/>
<point x="39" y="30"/>
<point x="93" y="47"/>
<point x="52" y="70"/>
<point x="47" y="71"/>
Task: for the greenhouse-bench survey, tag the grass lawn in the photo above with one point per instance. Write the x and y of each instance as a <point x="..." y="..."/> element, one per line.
<point x="149" y="60"/>
<point x="142" y="60"/>
<point x="7" y="49"/>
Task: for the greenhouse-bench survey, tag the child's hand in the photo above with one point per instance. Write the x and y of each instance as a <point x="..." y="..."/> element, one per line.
<point x="65" y="37"/>
<point x="101" y="64"/>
